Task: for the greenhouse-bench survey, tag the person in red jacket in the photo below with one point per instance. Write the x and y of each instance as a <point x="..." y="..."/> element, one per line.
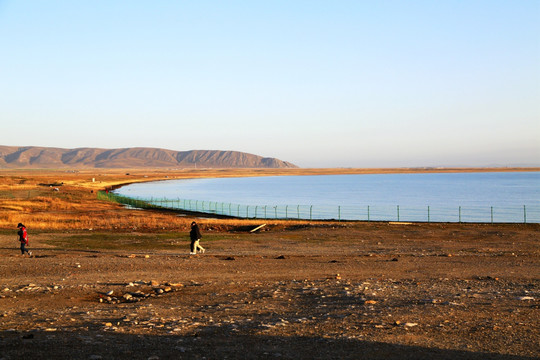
<point x="23" y="239"/>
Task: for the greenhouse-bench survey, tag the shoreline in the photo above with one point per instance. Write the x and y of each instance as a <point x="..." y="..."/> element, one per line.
<point x="355" y="170"/>
<point x="42" y="197"/>
<point x="348" y="208"/>
<point x="114" y="178"/>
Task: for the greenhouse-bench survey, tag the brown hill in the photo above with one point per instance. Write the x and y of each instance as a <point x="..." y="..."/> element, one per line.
<point x="48" y="158"/>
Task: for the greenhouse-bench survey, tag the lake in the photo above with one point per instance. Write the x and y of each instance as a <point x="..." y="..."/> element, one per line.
<point x="448" y="197"/>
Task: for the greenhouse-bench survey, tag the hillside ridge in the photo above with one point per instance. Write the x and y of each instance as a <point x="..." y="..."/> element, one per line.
<point x="134" y="157"/>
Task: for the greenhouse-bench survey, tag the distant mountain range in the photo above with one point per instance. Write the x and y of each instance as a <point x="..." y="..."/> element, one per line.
<point x="137" y="157"/>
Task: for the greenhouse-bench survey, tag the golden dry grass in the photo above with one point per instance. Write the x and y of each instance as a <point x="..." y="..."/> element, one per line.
<point x="25" y="196"/>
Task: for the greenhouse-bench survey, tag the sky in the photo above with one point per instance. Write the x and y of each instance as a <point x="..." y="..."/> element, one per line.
<point x="316" y="83"/>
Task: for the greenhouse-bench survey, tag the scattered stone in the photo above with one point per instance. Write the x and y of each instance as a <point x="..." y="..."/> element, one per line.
<point x="138" y="293"/>
<point x="154" y="283"/>
<point x="523" y="298"/>
<point x="109" y="293"/>
<point x="409" y="324"/>
<point x="370" y="302"/>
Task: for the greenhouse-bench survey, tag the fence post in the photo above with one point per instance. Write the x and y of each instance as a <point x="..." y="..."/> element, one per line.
<point x="368" y="213"/>
<point x="275" y="211"/>
<point x="310" y="212"/>
<point x="298" y="211"/>
<point x="256" y="211"/>
<point x="339" y="213"/>
<point x="428" y="214"/>
<point x="492" y="214"/>
<point x="398" y="213"/>
<point x="265" y="212"/>
<point x="524" y="214"/>
<point x="286" y="211"/>
<point x="238" y="211"/>
<point x="460" y="214"/>
<point x="247" y="211"/>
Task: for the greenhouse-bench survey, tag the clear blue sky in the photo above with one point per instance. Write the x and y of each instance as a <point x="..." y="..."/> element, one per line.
<point x="317" y="83"/>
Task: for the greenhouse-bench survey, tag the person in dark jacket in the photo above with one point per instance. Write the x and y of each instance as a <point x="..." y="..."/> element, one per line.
<point x="23" y="239"/>
<point x="195" y="236"/>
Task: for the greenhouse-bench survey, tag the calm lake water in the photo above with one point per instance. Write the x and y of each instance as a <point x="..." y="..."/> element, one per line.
<point x="473" y="197"/>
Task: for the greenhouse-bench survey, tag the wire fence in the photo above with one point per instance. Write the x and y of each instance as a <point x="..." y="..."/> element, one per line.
<point x="473" y="214"/>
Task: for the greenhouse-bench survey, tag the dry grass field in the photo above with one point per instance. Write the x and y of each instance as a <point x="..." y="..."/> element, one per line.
<point x="107" y="282"/>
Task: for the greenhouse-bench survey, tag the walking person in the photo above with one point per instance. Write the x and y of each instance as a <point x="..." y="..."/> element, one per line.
<point x="23" y="239"/>
<point x="195" y="236"/>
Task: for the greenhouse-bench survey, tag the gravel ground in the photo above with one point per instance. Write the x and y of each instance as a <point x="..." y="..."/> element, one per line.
<point x="358" y="290"/>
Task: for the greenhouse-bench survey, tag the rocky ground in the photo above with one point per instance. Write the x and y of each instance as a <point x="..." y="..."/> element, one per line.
<point x="353" y="291"/>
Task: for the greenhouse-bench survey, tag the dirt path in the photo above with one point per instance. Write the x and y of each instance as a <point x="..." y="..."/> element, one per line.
<point x="352" y="291"/>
